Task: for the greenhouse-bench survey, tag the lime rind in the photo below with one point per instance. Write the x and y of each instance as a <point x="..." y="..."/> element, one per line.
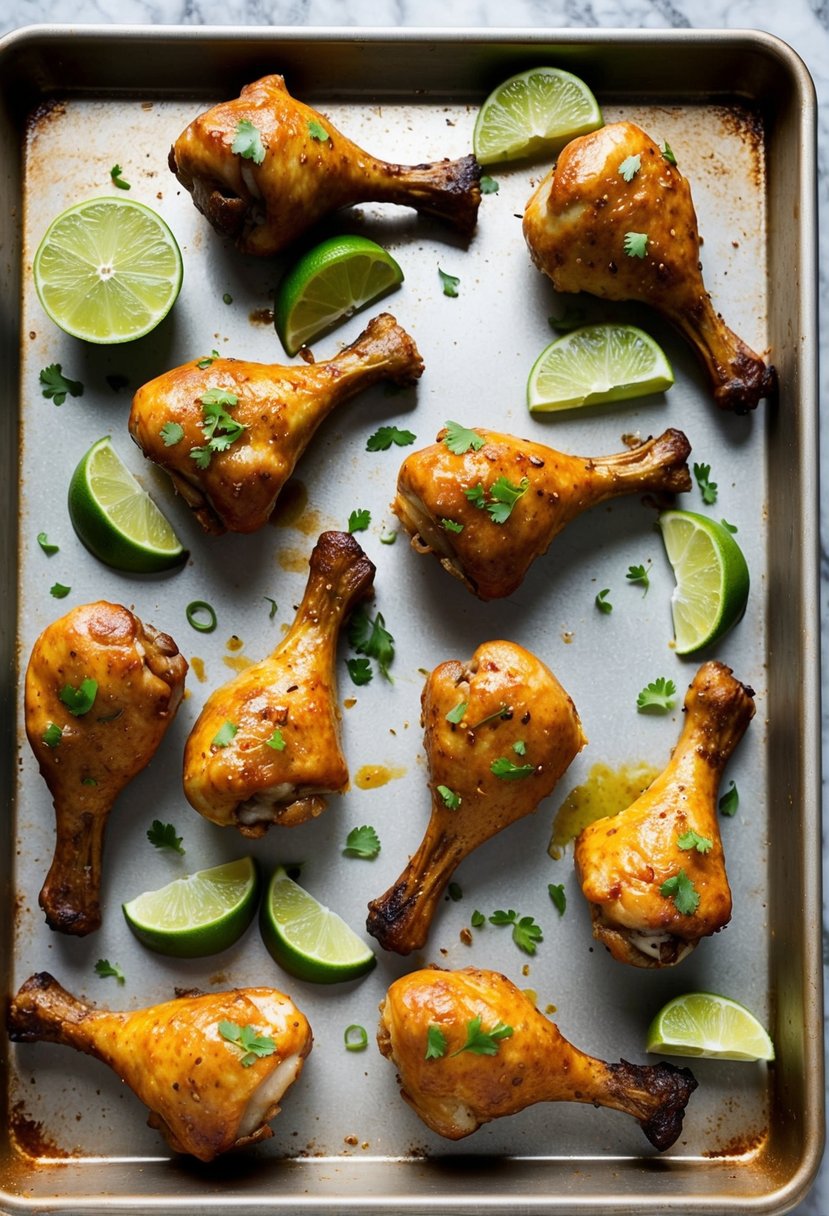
<point x="705" y="1024"/>
<point x="597" y="364"/>
<point x="308" y="940"/>
<point x="200" y="914"/>
<point x="535" y="111"/>
<point x="712" y="579"/>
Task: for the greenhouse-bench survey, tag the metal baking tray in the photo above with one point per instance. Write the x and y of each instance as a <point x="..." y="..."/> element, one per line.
<point x="739" y="110"/>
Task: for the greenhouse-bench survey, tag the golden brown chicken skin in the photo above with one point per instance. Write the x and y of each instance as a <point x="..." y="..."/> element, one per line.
<point x="87" y="756"/>
<point x="452" y="505"/>
<point x="504" y="698"/>
<point x="302" y="169"/>
<point x="204" y="1093"/>
<point x="576" y="225"/>
<point x="670" y="834"/>
<point x="266" y="746"/>
<point x="270" y="414"/>
<point x="528" y="1060"/>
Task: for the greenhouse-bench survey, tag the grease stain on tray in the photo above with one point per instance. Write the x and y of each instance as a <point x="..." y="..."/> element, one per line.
<point x="372" y="776"/>
<point x="605" y="792"/>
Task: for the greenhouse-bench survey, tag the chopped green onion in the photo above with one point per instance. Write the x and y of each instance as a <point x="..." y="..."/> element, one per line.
<point x="355" y="1038"/>
<point x="202" y="616"/>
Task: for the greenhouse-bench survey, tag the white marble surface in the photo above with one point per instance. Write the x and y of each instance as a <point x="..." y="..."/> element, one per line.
<point x="804" y="24"/>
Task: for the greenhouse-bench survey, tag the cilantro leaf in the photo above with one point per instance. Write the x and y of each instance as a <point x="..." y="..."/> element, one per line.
<point x="52" y="735"/>
<point x="729" y="527"/>
<point x="449" y="282"/>
<point x="519" y="747"/>
<point x="247" y="1039"/>
<point x="317" y="131"/>
<point x="172" y="433"/>
<point x="477" y="919"/>
<point x="483" y="1042"/>
<point x="435" y="1043"/>
<point x="372" y="639"/>
<point x="105" y="968"/>
<point x="163" y="836"/>
<point x="636" y="244"/>
<point x="46" y="545"/>
<point x="56" y="385"/>
<point x="455" y="716"/>
<point x="385" y="436"/>
<point x="476" y="495"/>
<point x="360" y="671"/>
<point x="668" y="153"/>
<point x="729" y="802"/>
<point x="708" y="488"/>
<point x="504" y="768"/>
<point x="362" y="842"/>
<point x="603" y="605"/>
<point x="460" y="439"/>
<point x="206" y="360"/>
<point x="218" y="427"/>
<point x="452" y="525"/>
<point x="450" y="799"/>
<point x="629" y="167"/>
<point x="525" y="932"/>
<point x="692" y="840"/>
<point x="657" y="697"/>
<point x="504" y="496"/>
<point x="639" y="574"/>
<point x="503" y="711"/>
<point x="455" y="892"/>
<point x="224" y="735"/>
<point x="276" y="741"/>
<point x="359" y="520"/>
<point x="488" y="184"/>
<point x="247" y="142"/>
<point x="79" y="700"/>
<point x="59" y="591"/>
<point x="557" y="894"/>
<point x="117" y="175"/>
<point x="682" y="891"/>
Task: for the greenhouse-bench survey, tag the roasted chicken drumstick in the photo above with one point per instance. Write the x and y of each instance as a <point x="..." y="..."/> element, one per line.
<point x="206" y="1090"/>
<point x="654" y="874"/>
<point x="633" y="236"/>
<point x="429" y="1017"/>
<point x="489" y="512"/>
<point x="266" y="167"/>
<point x="266" y="746"/>
<point x="231" y="433"/>
<point x="101" y="689"/>
<point x="499" y="732"/>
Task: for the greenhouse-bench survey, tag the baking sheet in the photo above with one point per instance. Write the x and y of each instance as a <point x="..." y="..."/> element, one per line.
<point x="71" y="1114"/>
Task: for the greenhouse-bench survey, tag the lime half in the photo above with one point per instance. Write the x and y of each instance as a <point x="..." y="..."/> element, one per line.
<point x="536" y="111"/>
<point x="330" y="282"/>
<point x="308" y="940"/>
<point x="597" y="364"/>
<point x="108" y="270"/>
<point x="116" y="519"/>
<point x="204" y="913"/>
<point x="712" y="580"/>
<point x="704" y="1024"/>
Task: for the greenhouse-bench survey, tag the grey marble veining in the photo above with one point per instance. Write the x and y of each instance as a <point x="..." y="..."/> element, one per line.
<point x="804" y="24"/>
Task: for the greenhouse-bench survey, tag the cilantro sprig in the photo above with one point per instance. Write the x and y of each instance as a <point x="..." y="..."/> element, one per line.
<point x="163" y="836"/>
<point x="500" y="499"/>
<point x="104" y="968"/>
<point x="255" y="1046"/>
<point x="218" y="427"/>
<point x="707" y="487"/>
<point x="729" y="802"/>
<point x="247" y="142"/>
<point x="371" y="638"/>
<point x="692" y="840"/>
<point x="507" y="770"/>
<point x="79" y="700"/>
<point x="484" y="1042"/>
<point x="448" y="797"/>
<point x="657" y="697"/>
<point x="629" y="167"/>
<point x="460" y="439"/>
<point x="385" y="436"/>
<point x="359" y="519"/>
<point x="636" y="244"/>
<point x="682" y="891"/>
<point x="56" y="386"/>
<point x="525" y="932"/>
<point x="362" y="842"/>
<point x="224" y="735"/>
<point x="639" y="574"/>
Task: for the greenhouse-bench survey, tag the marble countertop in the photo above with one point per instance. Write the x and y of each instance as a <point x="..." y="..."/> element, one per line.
<point x="804" y="24"/>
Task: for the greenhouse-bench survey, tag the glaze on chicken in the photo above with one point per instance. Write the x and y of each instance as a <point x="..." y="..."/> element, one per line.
<point x="671" y="830"/>
<point x="301" y="169"/>
<point x="504" y="699"/>
<point x="87" y="756"/>
<point x="231" y="471"/>
<point x="204" y="1093"/>
<point x="529" y="1061"/>
<point x="266" y="746"/>
<point x="579" y="224"/>
<point x="453" y="505"/>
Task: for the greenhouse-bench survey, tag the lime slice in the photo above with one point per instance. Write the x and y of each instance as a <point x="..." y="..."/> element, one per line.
<point x="108" y="270"/>
<point x="118" y="521"/>
<point x="308" y="940"/>
<point x="704" y="1024"/>
<point x="536" y="111"/>
<point x="330" y="282"/>
<point x="712" y="579"/>
<point x="597" y="364"/>
<point x="201" y="914"/>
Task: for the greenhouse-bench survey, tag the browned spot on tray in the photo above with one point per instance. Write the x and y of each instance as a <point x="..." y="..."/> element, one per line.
<point x="261" y="316"/>
<point x="295" y="561"/>
<point x="29" y="1136"/>
<point x="197" y="667"/>
<point x="748" y="1144"/>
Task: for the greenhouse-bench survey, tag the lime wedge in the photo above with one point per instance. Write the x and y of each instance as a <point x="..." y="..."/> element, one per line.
<point x="712" y="580"/>
<point x="308" y="940"/>
<point x="116" y="519"/>
<point x="704" y="1024"/>
<point x="108" y="270"/>
<point x="201" y="914"/>
<point x="597" y="364"/>
<point x="536" y="111"/>
<point x="330" y="282"/>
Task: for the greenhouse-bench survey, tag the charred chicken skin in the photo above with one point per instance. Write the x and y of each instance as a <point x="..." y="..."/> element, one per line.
<point x="101" y="690"/>
<point x="654" y="874"/>
<point x="528" y="1059"/>
<point x="503" y="698"/>
<point x="489" y="513"/>
<point x="245" y="425"/>
<point x="205" y="1094"/>
<point x="301" y="168"/>
<point x="266" y="747"/>
<point x="579" y="223"/>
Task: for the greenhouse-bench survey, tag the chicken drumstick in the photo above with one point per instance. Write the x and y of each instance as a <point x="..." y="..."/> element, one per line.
<point x="499" y="732"/>
<point x="633" y="236"/>
<point x="231" y="434"/>
<point x="266" y="746"/>
<point x="207" y="1092"/>
<point x="654" y="874"/>
<point x="489" y="512"/>
<point x="265" y="167"/>
<point x="101" y="689"/>
<point x="428" y="1019"/>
